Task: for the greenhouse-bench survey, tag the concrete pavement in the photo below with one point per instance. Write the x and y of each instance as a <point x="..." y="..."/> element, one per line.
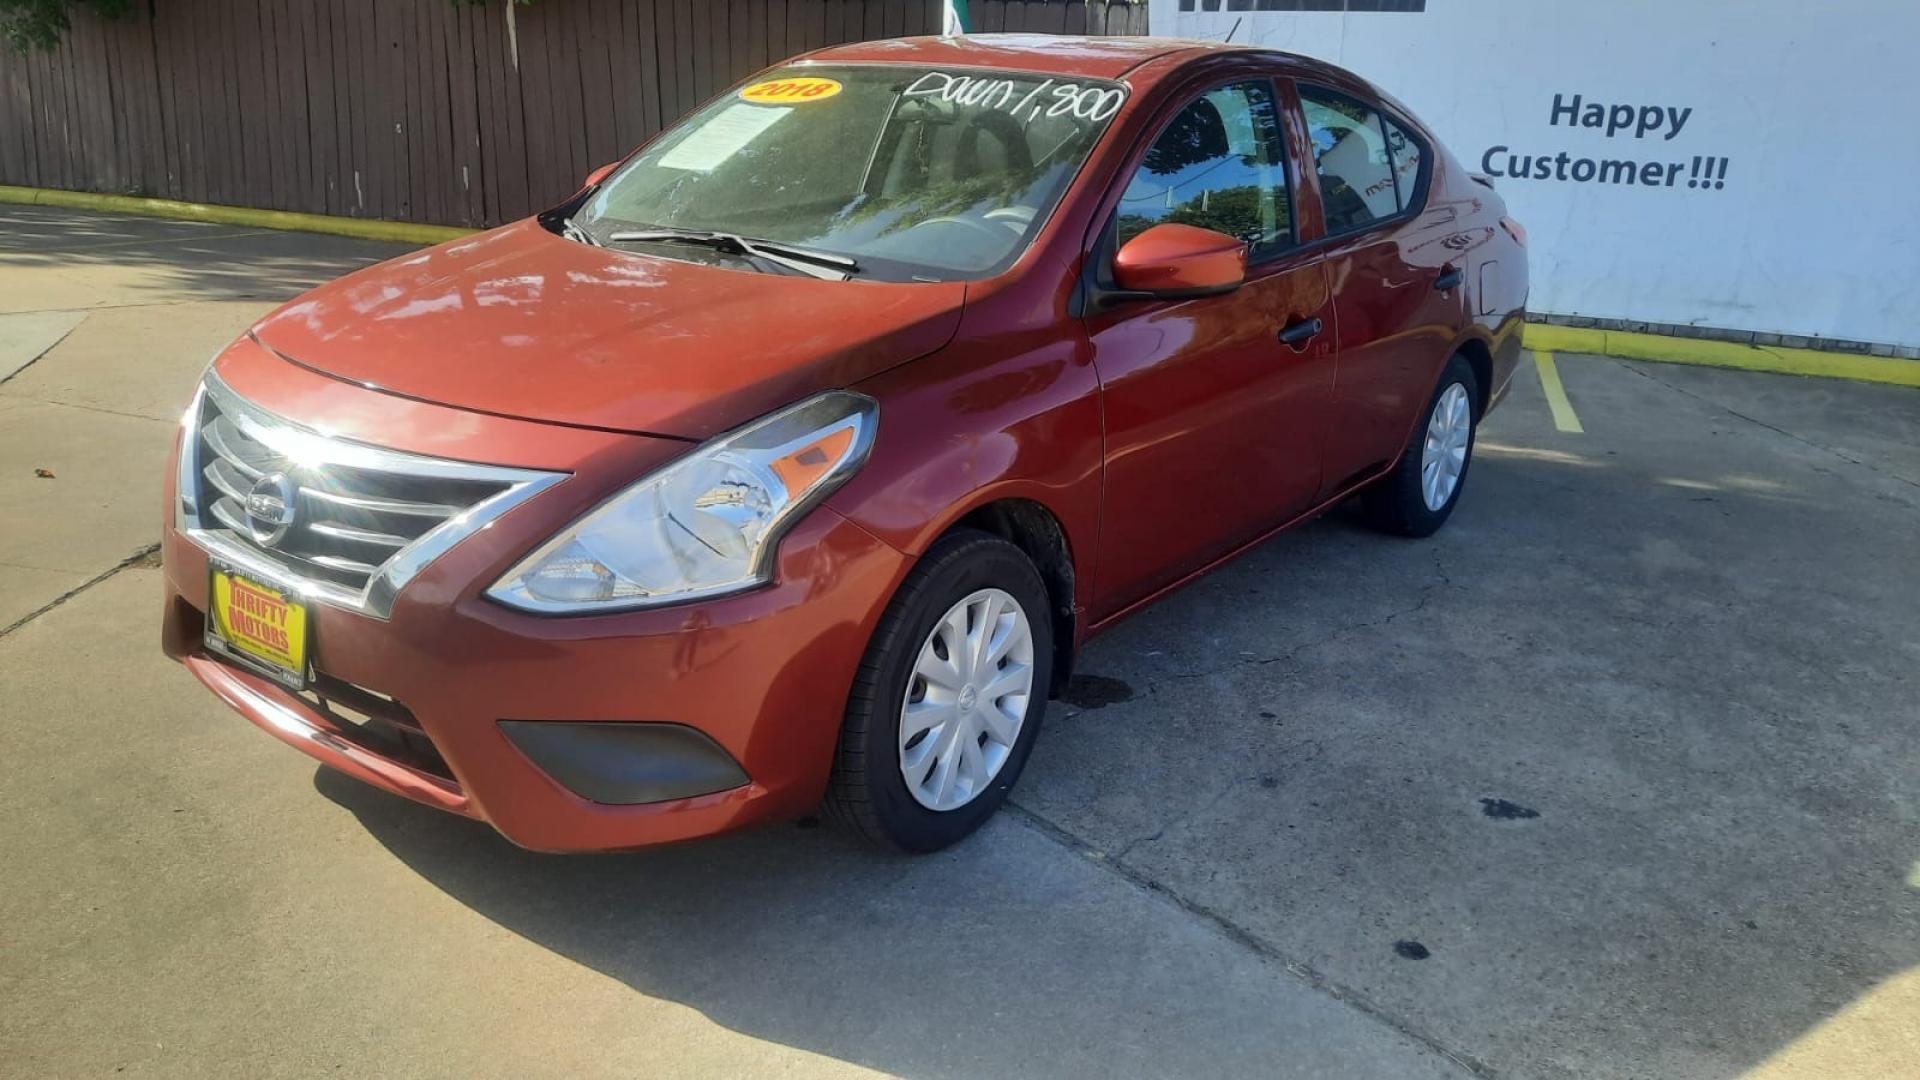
<point x="1617" y="776"/>
<point x="105" y="322"/>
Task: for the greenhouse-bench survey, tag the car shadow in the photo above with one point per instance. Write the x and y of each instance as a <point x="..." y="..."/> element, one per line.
<point x="1002" y="956"/>
<point x="1606" y="776"/>
<point x="164" y="261"/>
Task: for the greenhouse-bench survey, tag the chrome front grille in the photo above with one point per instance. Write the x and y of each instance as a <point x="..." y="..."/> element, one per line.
<point x="347" y="521"/>
<point x="363" y="520"/>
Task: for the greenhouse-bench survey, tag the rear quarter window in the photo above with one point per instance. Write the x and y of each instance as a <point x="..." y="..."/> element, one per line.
<point x="1408" y="157"/>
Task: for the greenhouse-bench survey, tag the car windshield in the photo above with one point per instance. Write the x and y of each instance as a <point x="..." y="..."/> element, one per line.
<point x="914" y="172"/>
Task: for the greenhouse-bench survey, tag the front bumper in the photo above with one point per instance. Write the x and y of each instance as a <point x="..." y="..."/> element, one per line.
<point x="761" y="676"/>
<point x="764" y="676"/>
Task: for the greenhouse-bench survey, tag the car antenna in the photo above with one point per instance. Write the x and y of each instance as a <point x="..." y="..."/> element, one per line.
<point x="1236" y="29"/>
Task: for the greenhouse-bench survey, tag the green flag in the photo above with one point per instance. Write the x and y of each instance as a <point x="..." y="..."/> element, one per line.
<point x="956" y="17"/>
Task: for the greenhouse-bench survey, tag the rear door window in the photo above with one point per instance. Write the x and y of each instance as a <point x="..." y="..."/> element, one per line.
<point x="1350" y="154"/>
<point x="1219" y="164"/>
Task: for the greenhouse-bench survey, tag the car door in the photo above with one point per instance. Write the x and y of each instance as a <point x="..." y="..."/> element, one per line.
<point x="1213" y="425"/>
<point x="1396" y="283"/>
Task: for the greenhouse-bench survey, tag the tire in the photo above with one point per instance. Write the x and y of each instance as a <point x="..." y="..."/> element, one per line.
<point x="1398" y="502"/>
<point x="869" y="792"/>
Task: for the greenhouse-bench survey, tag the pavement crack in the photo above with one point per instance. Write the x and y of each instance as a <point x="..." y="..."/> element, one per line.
<point x="134" y="559"/>
<point x="52" y="345"/>
<point x="1242" y="936"/>
<point x="1183" y="819"/>
<point x="1127" y="849"/>
<point x="103" y="410"/>
<point x="1776" y="429"/>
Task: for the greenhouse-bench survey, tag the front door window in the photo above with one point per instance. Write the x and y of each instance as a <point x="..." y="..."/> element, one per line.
<point x="1221" y="165"/>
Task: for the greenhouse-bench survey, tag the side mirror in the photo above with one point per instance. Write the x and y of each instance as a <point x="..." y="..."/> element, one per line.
<point x="600" y="173"/>
<point x="1179" y="261"/>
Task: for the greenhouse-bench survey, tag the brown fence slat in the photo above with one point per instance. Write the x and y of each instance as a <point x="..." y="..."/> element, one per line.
<point x="426" y="178"/>
<point x="294" y="121"/>
<point x="463" y="113"/>
<point x="52" y="128"/>
<point x="177" y="101"/>
<point x="410" y="65"/>
<point x="636" y="76"/>
<point x="342" y="195"/>
<point x="512" y="174"/>
<point x="156" y="126"/>
<point x="563" y="80"/>
<point x="122" y="109"/>
<point x="315" y="46"/>
<point x="217" y="87"/>
<point x="543" y="64"/>
<point x="991" y="15"/>
<point x="600" y="105"/>
<point x="100" y="97"/>
<point x="46" y="172"/>
<point x="373" y="162"/>
<point x="541" y="136"/>
<point x="442" y="86"/>
<point x="775" y="21"/>
<point x="815" y="21"/>
<point x="18" y="163"/>
<point x="74" y="108"/>
<point x="254" y="150"/>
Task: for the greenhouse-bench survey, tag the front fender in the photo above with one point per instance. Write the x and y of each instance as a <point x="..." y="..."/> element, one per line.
<point x="976" y="424"/>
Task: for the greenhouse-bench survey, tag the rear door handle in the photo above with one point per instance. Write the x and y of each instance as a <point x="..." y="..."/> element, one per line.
<point x="1449" y="279"/>
<point x="1299" y="330"/>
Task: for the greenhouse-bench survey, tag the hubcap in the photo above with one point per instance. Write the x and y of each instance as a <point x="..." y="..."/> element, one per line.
<point x="1443" y="456"/>
<point x="967" y="700"/>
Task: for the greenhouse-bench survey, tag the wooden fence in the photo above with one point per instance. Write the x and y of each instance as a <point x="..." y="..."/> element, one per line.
<point x="414" y="110"/>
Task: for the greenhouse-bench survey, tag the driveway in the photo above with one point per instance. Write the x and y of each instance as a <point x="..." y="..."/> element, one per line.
<point x="1619" y="775"/>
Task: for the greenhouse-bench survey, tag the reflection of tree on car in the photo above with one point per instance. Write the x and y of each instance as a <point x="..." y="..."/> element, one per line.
<point x="906" y="184"/>
<point x="1235" y="211"/>
<point x="1216" y="165"/>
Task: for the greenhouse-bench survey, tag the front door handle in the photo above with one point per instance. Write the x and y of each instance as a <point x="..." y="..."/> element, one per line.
<point x="1300" y="330"/>
<point x="1450" y="278"/>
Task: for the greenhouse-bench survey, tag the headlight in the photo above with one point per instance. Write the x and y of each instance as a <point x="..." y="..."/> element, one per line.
<point x="706" y="525"/>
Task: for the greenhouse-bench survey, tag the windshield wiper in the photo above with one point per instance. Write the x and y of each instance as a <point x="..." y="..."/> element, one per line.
<point x="819" y="264"/>
<point x="572" y="231"/>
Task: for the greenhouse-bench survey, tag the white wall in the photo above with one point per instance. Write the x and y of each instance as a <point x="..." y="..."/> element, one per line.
<point x="1814" y="105"/>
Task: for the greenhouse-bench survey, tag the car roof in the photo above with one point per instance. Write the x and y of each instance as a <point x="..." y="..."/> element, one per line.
<point x="1054" y="54"/>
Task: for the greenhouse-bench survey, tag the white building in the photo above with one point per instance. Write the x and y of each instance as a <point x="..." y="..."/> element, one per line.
<point x="1743" y="166"/>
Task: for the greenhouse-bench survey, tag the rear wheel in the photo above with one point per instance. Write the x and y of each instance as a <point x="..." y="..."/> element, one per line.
<point x="948" y="699"/>
<point x="1418" y="496"/>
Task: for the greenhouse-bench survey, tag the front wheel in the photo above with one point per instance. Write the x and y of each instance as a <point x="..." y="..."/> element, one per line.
<point x="1418" y="496"/>
<point x="948" y="699"/>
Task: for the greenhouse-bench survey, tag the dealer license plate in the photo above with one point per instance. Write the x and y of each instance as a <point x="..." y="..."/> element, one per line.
<point x="258" y="625"/>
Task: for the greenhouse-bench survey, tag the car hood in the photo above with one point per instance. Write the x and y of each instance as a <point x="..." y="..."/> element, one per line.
<point x="520" y="322"/>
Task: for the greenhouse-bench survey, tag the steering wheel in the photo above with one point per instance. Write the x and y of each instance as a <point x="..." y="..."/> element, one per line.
<point x="1016" y="218"/>
<point x="980" y="227"/>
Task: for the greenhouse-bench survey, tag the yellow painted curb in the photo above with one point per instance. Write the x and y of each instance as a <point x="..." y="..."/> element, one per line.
<point x="396" y="231"/>
<point x="1727" y="354"/>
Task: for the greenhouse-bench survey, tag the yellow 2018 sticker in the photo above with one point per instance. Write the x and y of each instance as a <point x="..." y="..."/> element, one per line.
<point x="790" y="91"/>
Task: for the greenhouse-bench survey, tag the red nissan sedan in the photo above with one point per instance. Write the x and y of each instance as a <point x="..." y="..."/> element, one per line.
<point x="791" y="461"/>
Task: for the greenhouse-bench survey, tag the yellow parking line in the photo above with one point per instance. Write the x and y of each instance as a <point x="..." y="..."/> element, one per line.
<point x="1563" y="415"/>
